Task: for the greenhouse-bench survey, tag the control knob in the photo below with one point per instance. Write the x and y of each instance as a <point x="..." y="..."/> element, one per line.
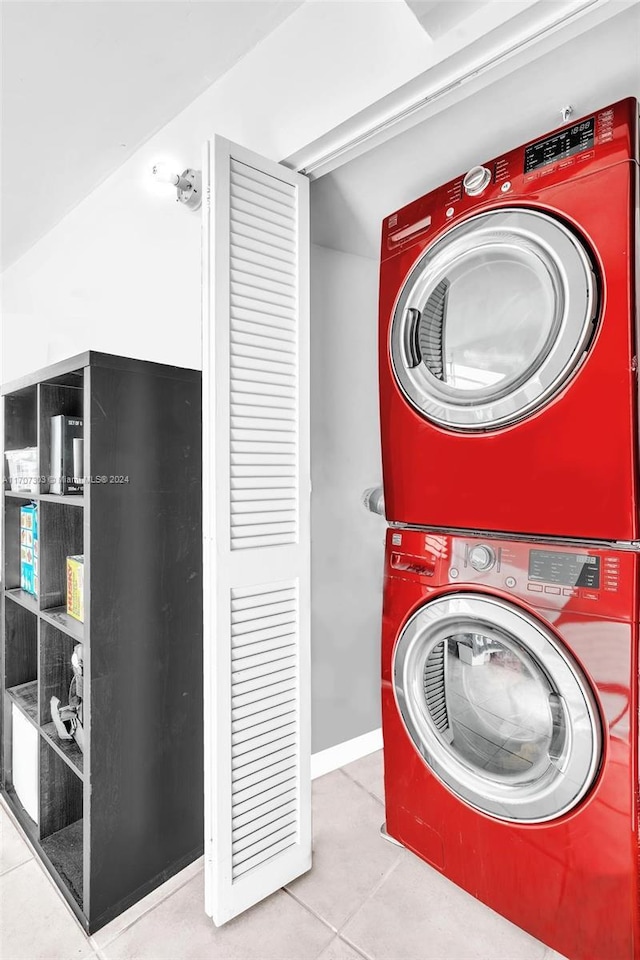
<point x="476" y="180"/>
<point x="482" y="557"/>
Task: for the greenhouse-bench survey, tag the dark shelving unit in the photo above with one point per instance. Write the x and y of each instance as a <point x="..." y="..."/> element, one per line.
<point x="118" y="818"/>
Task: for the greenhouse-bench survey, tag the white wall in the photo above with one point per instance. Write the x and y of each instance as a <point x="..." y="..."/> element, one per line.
<point x="588" y="71"/>
<point x="347" y="542"/>
<point x="121" y="273"/>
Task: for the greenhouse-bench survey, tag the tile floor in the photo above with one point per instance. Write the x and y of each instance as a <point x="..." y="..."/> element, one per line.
<point x="364" y="898"/>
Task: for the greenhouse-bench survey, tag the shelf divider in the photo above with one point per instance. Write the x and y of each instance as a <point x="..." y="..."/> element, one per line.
<point x="68" y="749"/>
<point x="72" y="499"/>
<point x="25" y="696"/>
<point x="58" y="617"/>
<point x="23" y="598"/>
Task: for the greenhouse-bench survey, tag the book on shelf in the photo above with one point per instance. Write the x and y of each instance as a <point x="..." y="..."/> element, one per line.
<point x="67" y="455"/>
<point x="29" y="559"/>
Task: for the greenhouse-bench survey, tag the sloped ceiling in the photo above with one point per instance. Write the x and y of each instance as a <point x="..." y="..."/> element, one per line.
<point x="440" y="17"/>
<point x="85" y="83"/>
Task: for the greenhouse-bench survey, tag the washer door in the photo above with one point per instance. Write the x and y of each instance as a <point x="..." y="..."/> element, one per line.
<point x="493" y="319"/>
<point x="497" y="709"/>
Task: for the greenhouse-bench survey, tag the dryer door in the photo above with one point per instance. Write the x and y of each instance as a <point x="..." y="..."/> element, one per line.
<point x="493" y="319"/>
<point x="497" y="708"/>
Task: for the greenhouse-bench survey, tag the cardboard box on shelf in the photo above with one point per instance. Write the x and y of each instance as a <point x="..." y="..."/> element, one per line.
<point x="75" y="587"/>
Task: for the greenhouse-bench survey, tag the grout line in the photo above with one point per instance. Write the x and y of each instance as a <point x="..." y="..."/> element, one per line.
<point x="143" y="913"/>
<point x="373" y="892"/>
<point x="90" y="939"/>
<point x="337" y="931"/>
<point x="355" y="948"/>
<point x="44" y="871"/>
<point x="16" y="866"/>
<point x="362" y="786"/>
<point x="311" y="910"/>
<point x="99" y="952"/>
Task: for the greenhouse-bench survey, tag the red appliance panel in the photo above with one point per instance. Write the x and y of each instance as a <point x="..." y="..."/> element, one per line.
<point x="571" y="882"/>
<point x="616" y="138"/>
<point x="569" y="469"/>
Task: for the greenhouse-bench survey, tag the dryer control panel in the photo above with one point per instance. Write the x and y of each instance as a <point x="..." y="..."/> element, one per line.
<point x="547" y="575"/>
<point x="594" y="142"/>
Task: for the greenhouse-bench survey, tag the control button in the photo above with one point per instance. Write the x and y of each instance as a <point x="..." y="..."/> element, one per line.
<point x="587" y="595"/>
<point x="506" y="186"/>
<point x="476" y="180"/>
<point x="449" y="212"/>
<point x="535" y="587"/>
<point x="510" y="582"/>
<point x="555" y="590"/>
<point x="570" y="592"/>
<point x="454" y="573"/>
<point x="481" y="557"/>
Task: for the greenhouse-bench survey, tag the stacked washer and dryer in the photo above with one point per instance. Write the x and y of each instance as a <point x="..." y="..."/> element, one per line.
<point x="509" y="420"/>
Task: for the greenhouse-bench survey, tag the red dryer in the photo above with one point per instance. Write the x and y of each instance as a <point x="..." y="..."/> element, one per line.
<point x="508" y="368"/>
<point x="510" y="722"/>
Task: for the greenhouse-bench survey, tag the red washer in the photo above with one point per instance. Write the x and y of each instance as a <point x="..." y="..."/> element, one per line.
<point x="510" y="728"/>
<point x="508" y="383"/>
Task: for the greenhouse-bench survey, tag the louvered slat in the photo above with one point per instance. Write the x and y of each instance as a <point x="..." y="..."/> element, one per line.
<point x="257" y="803"/>
<point x="256" y="813"/>
<point x="274" y="814"/>
<point x="252" y="756"/>
<point x="263" y="359"/>
<point x="264" y="718"/>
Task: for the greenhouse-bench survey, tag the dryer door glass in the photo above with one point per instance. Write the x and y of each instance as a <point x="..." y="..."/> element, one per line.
<point x="493" y="319"/>
<point x="497" y="708"/>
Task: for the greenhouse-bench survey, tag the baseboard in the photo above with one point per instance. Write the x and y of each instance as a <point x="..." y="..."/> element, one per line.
<point x="334" y="757"/>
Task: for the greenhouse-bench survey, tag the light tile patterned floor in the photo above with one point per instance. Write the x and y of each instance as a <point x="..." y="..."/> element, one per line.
<point x="364" y="898"/>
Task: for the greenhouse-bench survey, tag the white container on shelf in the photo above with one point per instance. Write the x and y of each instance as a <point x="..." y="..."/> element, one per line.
<point x="23" y="469"/>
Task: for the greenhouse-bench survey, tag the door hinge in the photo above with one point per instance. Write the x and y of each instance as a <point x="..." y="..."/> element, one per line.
<point x="634" y="364"/>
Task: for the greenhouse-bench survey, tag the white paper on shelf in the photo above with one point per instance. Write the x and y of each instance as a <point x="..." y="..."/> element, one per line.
<point x="24" y="753"/>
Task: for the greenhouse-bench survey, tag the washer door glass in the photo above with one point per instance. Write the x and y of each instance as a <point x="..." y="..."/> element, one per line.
<point x="497" y="708"/>
<point x="493" y="319"/>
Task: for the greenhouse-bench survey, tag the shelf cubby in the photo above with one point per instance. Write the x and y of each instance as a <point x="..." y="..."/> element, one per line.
<point x="21" y="645"/>
<point x="20" y="426"/>
<point x="21" y="418"/>
<point x="56" y="398"/>
<point x="61" y="810"/>
<point x="138" y="781"/>
<point x="55" y="673"/>
<point x="61" y="531"/>
<point x="12" y="547"/>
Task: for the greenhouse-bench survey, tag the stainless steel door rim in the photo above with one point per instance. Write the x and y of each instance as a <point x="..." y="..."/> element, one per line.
<point x="547" y="728"/>
<point x="493" y="319"/>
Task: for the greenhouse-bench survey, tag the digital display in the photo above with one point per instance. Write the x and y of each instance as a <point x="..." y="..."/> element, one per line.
<point x="564" y="144"/>
<point x="568" y="569"/>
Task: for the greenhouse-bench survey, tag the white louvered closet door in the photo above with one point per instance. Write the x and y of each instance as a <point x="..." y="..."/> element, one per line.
<point x="256" y="476"/>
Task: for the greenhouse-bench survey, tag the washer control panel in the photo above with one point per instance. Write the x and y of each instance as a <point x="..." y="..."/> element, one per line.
<point x="482" y="557"/>
<point x="554" y="576"/>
